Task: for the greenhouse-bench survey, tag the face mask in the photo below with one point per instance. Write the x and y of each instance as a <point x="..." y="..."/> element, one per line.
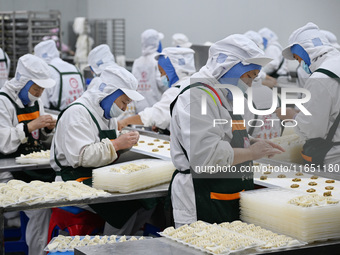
<point x="242" y="86"/>
<point x="165" y="81"/>
<point x="115" y="111"/>
<point x="305" y="67"/>
<point x="32" y="98"/>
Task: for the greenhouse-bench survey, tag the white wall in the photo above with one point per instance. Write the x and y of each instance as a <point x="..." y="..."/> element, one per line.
<point x="212" y="20"/>
<point x="200" y="20"/>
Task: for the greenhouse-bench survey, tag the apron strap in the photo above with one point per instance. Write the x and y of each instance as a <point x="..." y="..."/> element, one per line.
<point x="335" y="125"/>
<point x="4" y="59"/>
<point x="61" y="83"/>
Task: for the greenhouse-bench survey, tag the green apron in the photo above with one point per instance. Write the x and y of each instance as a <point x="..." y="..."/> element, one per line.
<point x="217" y="200"/>
<point x="115" y="213"/>
<point x="57" y="108"/>
<point x="25" y="115"/>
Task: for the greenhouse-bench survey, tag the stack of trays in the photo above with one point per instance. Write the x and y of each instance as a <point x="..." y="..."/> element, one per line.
<point x="133" y="175"/>
<point x="308" y="217"/>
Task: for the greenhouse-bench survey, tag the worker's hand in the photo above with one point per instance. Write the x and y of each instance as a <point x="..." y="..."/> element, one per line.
<point x="154" y="129"/>
<point x="269" y="82"/>
<point x="264" y="148"/>
<point x="121" y="124"/>
<point x="125" y="141"/>
<point x="290" y="113"/>
<point x="42" y="122"/>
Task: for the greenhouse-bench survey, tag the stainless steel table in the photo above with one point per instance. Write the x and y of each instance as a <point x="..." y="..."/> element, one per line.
<point x="8" y="164"/>
<point x="165" y="246"/>
<point x="157" y="191"/>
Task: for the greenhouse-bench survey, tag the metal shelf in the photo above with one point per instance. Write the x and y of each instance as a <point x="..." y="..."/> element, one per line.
<point x="20" y="31"/>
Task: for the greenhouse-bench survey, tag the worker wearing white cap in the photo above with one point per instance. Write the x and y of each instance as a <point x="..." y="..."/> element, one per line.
<point x="176" y="66"/>
<point x="99" y="58"/>
<point x="146" y="71"/>
<point x="319" y="59"/>
<point x="181" y="40"/>
<point x="301" y="74"/>
<point x="69" y="81"/>
<point x="273" y="49"/>
<point x="24" y="126"/>
<point x="198" y="144"/>
<point x="262" y="77"/>
<point x="86" y="135"/>
<point x="5" y="64"/>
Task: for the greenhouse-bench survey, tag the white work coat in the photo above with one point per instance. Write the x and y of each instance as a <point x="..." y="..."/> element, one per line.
<point x="159" y="114"/>
<point x="205" y="145"/>
<point x="274" y="51"/>
<point x="324" y="104"/>
<point x="12" y="133"/>
<point x="73" y="86"/>
<point x="5" y="64"/>
<point x="145" y="69"/>
<point x="76" y="141"/>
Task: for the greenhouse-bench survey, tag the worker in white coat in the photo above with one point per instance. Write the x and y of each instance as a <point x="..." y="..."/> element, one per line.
<point x="301" y="74"/>
<point x="176" y="65"/>
<point x="181" y="40"/>
<point x="86" y="137"/>
<point x="99" y="58"/>
<point x="146" y="71"/>
<point x="69" y="82"/>
<point x="23" y="127"/>
<point x="198" y="145"/>
<point x="273" y="49"/>
<point x="262" y="77"/>
<point x="5" y="65"/>
<point x="320" y="60"/>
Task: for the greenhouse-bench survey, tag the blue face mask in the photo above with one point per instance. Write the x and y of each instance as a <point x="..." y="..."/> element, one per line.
<point x="165" y="81"/>
<point x="305" y="67"/>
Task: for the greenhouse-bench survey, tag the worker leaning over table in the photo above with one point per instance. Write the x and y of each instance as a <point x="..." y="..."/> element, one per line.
<point x="23" y="125"/>
<point x="320" y="59"/>
<point x="195" y="142"/>
<point x="176" y="65"/>
<point x="86" y="138"/>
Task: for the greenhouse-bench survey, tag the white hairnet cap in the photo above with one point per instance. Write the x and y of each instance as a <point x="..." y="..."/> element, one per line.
<point x="233" y="49"/>
<point x="101" y="57"/>
<point x="182" y="59"/>
<point x="120" y="78"/>
<point x="331" y="38"/>
<point x="268" y="34"/>
<point x="308" y="36"/>
<point x="255" y="37"/>
<point x="46" y="50"/>
<point x="181" y="40"/>
<point x="35" y="69"/>
<point x="150" y="41"/>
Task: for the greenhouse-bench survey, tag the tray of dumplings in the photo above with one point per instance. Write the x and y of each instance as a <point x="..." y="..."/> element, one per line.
<point x="227" y="238"/>
<point x="68" y="243"/>
<point x="277" y="176"/>
<point x="39" y="157"/>
<point x="154" y="147"/>
<point x="17" y="192"/>
<point x="133" y="175"/>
